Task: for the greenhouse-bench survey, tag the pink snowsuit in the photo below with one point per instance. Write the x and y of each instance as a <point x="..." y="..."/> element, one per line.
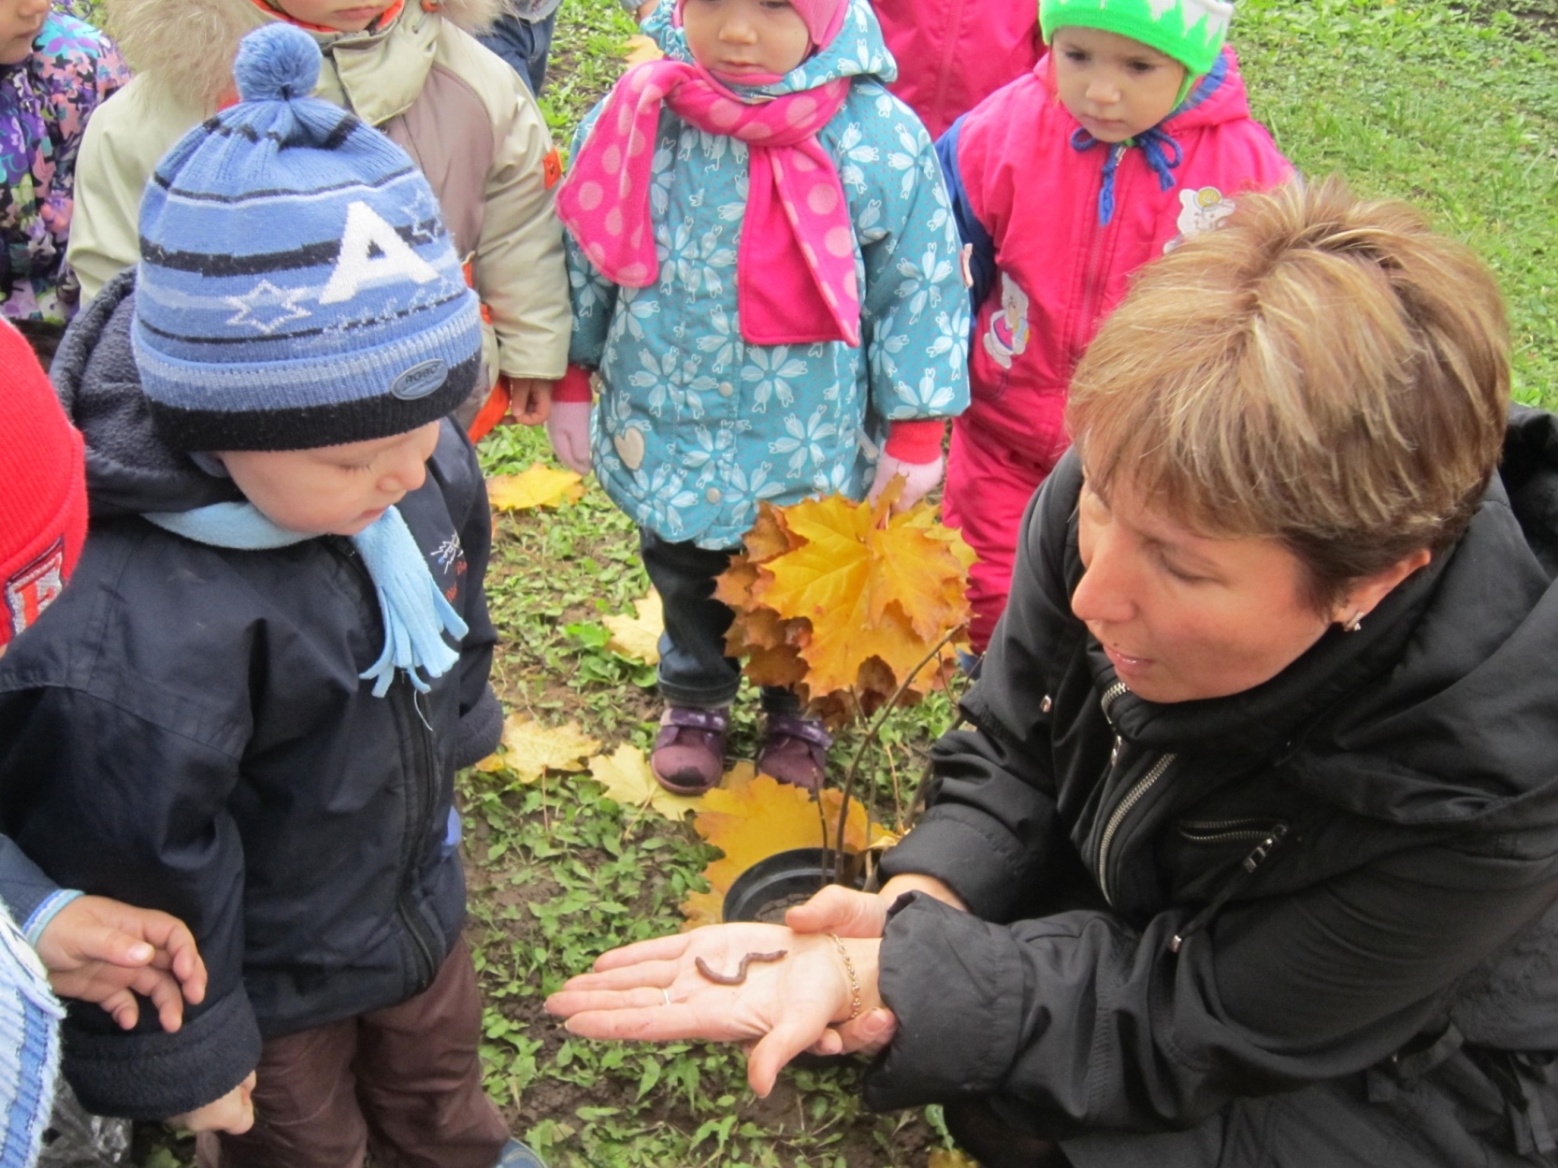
<point x="952" y="54"/>
<point x="1057" y="222"/>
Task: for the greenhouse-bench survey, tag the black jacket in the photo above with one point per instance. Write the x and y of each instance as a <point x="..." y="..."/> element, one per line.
<point x="1177" y="906"/>
<point x="185" y="729"/>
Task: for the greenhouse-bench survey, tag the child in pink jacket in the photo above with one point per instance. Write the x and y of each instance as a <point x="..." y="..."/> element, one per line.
<point x="952" y="54"/>
<point x="1130" y="135"/>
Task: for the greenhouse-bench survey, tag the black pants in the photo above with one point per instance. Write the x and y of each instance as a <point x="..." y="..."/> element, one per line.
<point x="694" y="670"/>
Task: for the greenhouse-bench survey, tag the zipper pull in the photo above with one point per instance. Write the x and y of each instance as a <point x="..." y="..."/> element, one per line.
<point x="1263" y="849"/>
<point x="1114" y="753"/>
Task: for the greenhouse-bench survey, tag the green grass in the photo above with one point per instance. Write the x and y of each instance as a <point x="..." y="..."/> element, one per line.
<point x="1453" y="107"/>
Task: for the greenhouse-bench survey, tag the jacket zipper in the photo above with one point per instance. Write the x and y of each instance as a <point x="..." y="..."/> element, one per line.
<point x="1221" y="831"/>
<point x="1132" y="797"/>
<point x="1076" y="343"/>
<point x="1257" y="856"/>
<point x="415" y="731"/>
<point x="1155" y="772"/>
<point x="421" y="776"/>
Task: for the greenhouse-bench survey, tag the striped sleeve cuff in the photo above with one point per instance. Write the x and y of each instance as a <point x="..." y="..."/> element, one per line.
<point x="46" y="911"/>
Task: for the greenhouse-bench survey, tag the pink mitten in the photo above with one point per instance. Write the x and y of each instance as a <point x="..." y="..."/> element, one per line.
<point x="920" y="478"/>
<point x="569" y="429"/>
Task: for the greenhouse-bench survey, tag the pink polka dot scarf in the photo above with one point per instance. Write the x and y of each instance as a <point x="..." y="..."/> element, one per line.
<point x="795" y="268"/>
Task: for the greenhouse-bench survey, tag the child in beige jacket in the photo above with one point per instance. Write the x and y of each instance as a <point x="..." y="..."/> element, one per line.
<point x="413" y="70"/>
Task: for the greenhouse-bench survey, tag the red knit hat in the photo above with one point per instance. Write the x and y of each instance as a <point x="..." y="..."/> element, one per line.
<point x="43" y="493"/>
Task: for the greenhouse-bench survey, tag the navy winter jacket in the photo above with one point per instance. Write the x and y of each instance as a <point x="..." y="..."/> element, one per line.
<point x="185" y="729"/>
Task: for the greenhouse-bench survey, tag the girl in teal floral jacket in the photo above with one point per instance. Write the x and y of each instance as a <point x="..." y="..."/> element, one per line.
<point x="766" y="278"/>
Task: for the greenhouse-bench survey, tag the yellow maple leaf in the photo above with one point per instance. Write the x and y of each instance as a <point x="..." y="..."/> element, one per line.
<point x="882" y="839"/>
<point x="734" y="585"/>
<point x="869" y="587"/>
<point x="750" y="817"/>
<point x="539" y="486"/>
<point x="843" y="601"/>
<point x="640" y="49"/>
<point x="628" y="780"/>
<point x="770" y="535"/>
<point x="531" y="749"/>
<point x="924" y="517"/>
<point x="638" y="636"/>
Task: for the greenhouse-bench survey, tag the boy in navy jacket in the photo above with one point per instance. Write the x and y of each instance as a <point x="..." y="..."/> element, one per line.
<point x="249" y="707"/>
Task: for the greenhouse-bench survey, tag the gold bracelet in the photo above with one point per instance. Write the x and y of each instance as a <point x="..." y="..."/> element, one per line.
<point x="854" y="982"/>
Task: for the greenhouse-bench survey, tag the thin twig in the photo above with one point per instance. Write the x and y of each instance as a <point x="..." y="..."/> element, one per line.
<point x="872" y="731"/>
<point x="892" y="770"/>
<point x="822" y="823"/>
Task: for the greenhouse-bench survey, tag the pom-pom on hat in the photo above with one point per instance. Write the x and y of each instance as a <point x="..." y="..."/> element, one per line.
<point x="823" y="18"/>
<point x="1190" y="31"/>
<point x="43" y="496"/>
<point x="296" y="287"/>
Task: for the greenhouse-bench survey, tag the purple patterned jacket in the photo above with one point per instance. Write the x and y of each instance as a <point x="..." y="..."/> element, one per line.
<point x="45" y="102"/>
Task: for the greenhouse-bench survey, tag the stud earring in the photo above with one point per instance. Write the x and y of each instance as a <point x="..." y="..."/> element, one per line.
<point x="1353" y="624"/>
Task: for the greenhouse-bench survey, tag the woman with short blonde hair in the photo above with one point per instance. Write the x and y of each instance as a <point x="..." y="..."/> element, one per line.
<point x="1250" y="855"/>
<point x="1329" y="372"/>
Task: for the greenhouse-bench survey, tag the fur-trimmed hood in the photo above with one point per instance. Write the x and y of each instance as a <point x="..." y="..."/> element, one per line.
<point x="186" y="47"/>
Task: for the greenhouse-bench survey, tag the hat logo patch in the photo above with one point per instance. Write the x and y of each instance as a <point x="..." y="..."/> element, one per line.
<point x="35" y="587"/>
<point x="420" y="380"/>
<point x="372" y="252"/>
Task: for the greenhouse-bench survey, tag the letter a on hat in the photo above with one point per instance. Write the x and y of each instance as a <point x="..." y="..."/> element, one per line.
<point x="366" y="233"/>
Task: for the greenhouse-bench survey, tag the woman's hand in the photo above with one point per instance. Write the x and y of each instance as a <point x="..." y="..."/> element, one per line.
<point x="653" y="991"/>
<point x="847" y="913"/>
<point x="836" y="909"/>
<point x="914" y="882"/>
<point x="232" y="1113"/>
<point x="100" y="950"/>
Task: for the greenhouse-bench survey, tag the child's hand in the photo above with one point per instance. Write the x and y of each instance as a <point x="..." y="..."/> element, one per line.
<point x="569" y="430"/>
<point x="232" y="1113"/>
<point x="920" y="478"/>
<point x="530" y="399"/>
<point x="100" y="950"/>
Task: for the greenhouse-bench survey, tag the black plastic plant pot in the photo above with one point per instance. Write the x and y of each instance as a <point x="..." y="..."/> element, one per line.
<point x="773" y="884"/>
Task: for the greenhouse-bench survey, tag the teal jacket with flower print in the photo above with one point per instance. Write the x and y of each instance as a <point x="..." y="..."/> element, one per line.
<point x="695" y="426"/>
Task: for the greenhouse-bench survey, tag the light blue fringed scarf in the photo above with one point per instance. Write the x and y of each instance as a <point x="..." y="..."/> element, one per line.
<point x="416" y="615"/>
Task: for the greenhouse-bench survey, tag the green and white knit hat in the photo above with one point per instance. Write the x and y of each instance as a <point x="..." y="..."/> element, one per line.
<point x="1190" y="31"/>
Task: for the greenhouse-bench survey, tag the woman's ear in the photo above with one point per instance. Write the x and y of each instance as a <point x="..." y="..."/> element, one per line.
<point x="1364" y="594"/>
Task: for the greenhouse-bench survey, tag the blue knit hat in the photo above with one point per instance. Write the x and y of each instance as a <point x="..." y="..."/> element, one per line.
<point x="296" y="287"/>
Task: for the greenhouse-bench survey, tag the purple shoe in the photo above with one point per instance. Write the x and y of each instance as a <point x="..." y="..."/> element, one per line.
<point x="689" y="753"/>
<point x="795" y="751"/>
